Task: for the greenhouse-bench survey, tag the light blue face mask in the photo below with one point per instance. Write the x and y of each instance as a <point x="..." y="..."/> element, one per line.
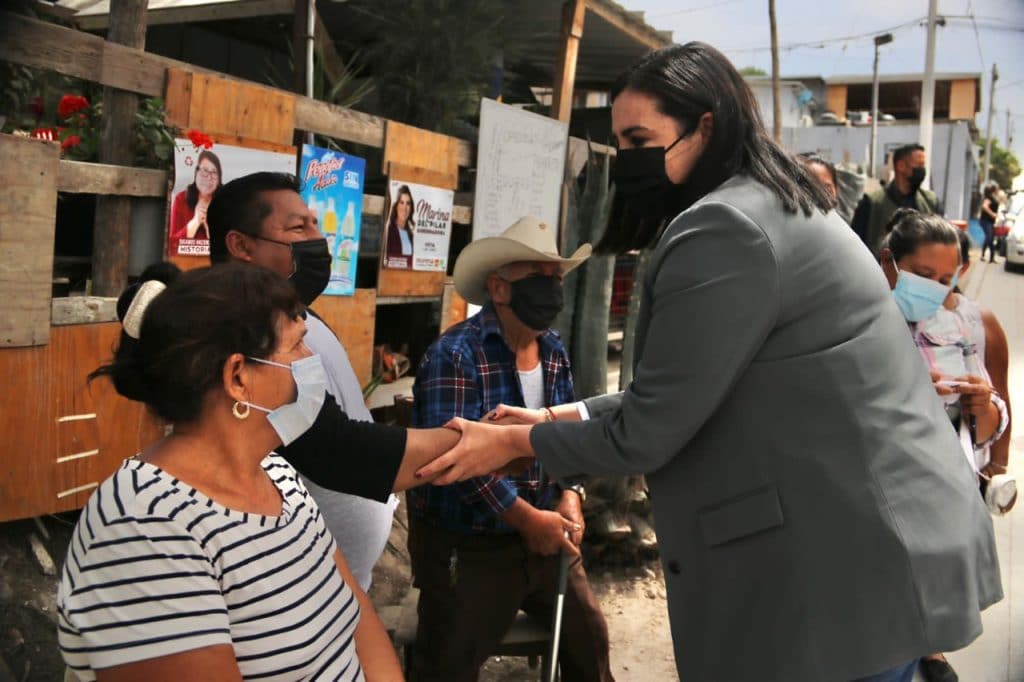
<point x="291" y="420"/>
<point x="918" y="297"/>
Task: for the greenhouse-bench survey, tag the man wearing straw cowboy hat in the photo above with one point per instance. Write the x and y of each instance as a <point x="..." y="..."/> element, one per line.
<point x="485" y="548"/>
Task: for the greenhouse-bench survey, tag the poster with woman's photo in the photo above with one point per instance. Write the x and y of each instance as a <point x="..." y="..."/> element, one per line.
<point x="198" y="173"/>
<point x="418" y="227"/>
<point x="332" y="187"/>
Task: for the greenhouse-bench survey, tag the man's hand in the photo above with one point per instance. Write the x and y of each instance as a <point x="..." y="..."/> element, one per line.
<point x="507" y="414"/>
<point x="544" y="532"/>
<point x="571" y="508"/>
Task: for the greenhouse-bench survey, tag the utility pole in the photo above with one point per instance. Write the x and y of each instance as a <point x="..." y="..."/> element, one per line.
<point x="883" y="39"/>
<point x="928" y="86"/>
<point x="776" y="103"/>
<point x="988" y="127"/>
<point x="1009" y="135"/>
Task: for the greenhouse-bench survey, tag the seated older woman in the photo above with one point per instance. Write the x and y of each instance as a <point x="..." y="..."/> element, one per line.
<point x="204" y="557"/>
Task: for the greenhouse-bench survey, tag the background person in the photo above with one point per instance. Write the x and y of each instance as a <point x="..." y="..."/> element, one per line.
<point x="812" y="506"/>
<point x="204" y="557"/>
<point x="261" y="220"/>
<point x="987" y="220"/>
<point x="484" y="549"/>
<point x="401" y="228"/>
<point x="189" y="208"/>
<point x="876" y="208"/>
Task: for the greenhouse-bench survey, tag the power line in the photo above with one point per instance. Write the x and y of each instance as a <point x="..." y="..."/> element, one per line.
<point x="977" y="38"/>
<point x="829" y="41"/>
<point x="690" y="10"/>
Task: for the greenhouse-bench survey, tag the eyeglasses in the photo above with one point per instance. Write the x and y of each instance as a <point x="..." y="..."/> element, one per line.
<point x="207" y="174"/>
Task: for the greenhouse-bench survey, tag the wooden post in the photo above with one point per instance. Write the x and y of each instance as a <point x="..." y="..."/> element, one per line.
<point x="573" y="13"/>
<point x="112" y="227"/>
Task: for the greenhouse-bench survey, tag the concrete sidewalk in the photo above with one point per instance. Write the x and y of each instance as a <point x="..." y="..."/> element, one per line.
<point x="998" y="655"/>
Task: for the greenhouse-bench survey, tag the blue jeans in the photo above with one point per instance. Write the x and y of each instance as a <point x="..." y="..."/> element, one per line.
<point x="901" y="673"/>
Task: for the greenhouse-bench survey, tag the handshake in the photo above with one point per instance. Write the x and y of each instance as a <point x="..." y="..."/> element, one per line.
<point x="497" y="444"/>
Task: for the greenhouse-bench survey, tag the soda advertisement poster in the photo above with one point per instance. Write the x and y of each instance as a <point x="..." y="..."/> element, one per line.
<point x="418" y="227"/>
<point x="332" y="187"/>
<point x="199" y="170"/>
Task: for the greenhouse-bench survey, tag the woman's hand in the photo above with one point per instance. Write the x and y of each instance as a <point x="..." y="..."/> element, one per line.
<point x="975" y="395"/>
<point x="482" y="449"/>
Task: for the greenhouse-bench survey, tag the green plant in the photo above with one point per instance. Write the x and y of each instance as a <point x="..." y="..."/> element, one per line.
<point x="1004" y="166"/>
<point x="154" y="139"/>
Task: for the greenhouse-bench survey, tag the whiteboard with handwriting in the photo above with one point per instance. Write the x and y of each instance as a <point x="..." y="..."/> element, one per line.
<point x="520" y="165"/>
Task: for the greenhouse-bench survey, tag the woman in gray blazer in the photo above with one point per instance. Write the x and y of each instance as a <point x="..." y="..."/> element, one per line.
<point x="815" y="516"/>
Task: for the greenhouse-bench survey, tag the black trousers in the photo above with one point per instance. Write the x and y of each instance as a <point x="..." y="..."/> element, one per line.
<point x="471" y="588"/>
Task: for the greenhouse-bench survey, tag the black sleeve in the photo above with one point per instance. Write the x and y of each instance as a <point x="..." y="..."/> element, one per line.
<point x="346" y="455"/>
<point x="861" y="218"/>
<point x="940" y="209"/>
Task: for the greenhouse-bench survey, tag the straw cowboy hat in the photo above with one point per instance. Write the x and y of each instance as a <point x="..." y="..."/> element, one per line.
<point x="528" y="239"/>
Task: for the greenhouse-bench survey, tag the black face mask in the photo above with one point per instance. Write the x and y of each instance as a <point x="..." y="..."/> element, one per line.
<point x="312" y="263"/>
<point x="917" y="176"/>
<point x="641" y="170"/>
<point x="536" y="300"/>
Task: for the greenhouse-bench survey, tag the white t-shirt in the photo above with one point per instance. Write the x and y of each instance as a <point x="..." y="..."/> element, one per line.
<point x="360" y="526"/>
<point x="156" y="568"/>
<point x="532" y="383"/>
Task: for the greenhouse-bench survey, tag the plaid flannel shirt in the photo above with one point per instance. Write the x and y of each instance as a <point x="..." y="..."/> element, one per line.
<point x="466" y="373"/>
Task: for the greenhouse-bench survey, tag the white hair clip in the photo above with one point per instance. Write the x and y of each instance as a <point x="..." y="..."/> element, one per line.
<point x="132" y="321"/>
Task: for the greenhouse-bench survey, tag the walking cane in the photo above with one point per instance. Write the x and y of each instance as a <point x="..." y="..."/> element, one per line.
<point x="556" y="626"/>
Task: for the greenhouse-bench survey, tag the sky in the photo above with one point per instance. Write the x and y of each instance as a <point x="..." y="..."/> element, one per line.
<point x="843" y="32"/>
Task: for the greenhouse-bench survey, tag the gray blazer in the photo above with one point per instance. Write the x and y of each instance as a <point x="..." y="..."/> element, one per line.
<point x="816" y="516"/>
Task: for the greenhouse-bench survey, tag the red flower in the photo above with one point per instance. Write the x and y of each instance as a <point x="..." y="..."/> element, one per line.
<point x="69" y="142"/>
<point x="199" y="139"/>
<point x="70" y="104"/>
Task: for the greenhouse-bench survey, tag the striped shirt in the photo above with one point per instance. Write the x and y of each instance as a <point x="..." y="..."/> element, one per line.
<point x="156" y="568"/>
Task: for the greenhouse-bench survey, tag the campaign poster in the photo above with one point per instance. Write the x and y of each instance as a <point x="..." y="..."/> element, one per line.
<point x="418" y="227"/>
<point x="332" y="187"/>
<point x="199" y="171"/>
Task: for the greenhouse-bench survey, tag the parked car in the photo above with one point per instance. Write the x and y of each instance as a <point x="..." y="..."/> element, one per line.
<point x="829" y="118"/>
<point x="1014" y="240"/>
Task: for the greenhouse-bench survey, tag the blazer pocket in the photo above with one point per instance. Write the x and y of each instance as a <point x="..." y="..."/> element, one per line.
<point x="741" y="516"/>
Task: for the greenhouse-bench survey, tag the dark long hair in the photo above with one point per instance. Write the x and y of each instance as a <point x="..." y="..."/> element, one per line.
<point x="393" y="218"/>
<point x="192" y="192"/>
<point x="688" y="81"/>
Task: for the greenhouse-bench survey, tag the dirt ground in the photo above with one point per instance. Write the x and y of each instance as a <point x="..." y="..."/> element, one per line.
<point x="633" y="600"/>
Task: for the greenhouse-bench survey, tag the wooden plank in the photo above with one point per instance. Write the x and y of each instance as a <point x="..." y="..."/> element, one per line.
<point x="374" y="205"/>
<point x="112" y="224"/>
<point x="409" y="283"/>
<point x="47" y="414"/>
<point x="352" y="319"/>
<point x="73" y="53"/>
<point x="242" y="111"/>
<point x="177" y="96"/>
<point x="43" y="45"/>
<point x="627" y="23"/>
<point x="420" y="176"/>
<point x="83" y="310"/>
<point x="573" y="13"/>
<point x="420" y="148"/>
<point x="101" y="178"/>
<point x="334" y="121"/>
<point x="196" y="13"/>
<point x="28" y="174"/>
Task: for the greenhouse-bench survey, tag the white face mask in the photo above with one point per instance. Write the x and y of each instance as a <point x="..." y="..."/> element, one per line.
<point x="291" y="420"/>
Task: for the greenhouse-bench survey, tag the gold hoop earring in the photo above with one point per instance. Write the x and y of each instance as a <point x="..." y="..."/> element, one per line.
<point x="239" y="414"/>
